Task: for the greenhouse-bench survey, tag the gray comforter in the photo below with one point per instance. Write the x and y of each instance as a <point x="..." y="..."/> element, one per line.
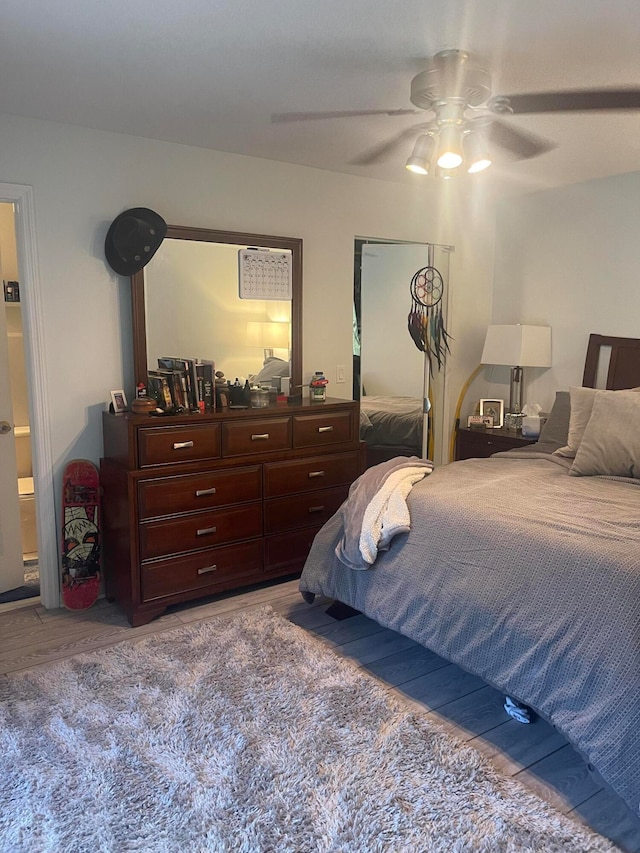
<point x="526" y="577"/>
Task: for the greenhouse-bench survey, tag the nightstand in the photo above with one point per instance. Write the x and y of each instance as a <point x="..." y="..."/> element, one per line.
<point x="484" y="442"/>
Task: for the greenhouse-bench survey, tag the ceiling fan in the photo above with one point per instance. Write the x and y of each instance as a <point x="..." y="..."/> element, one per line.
<point x="465" y="121"/>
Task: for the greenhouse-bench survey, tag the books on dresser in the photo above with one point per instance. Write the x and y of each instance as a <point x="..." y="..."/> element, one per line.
<point x="184" y="382"/>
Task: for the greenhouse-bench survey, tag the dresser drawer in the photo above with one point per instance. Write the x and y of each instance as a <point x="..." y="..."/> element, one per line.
<point x="322" y="429"/>
<point x="257" y="436"/>
<point x="315" y="508"/>
<point x="191" y="492"/>
<point x="305" y="475"/>
<point x="208" y="568"/>
<point x="287" y="552"/>
<point x="164" y="445"/>
<point x="199" y="530"/>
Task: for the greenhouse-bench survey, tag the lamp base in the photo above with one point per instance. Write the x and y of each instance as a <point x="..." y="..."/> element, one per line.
<point x="515" y="391"/>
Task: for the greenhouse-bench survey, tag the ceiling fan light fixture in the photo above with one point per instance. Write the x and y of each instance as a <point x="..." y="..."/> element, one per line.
<point x="450" y="148"/>
<point x="420" y="160"/>
<point x="477" y="157"/>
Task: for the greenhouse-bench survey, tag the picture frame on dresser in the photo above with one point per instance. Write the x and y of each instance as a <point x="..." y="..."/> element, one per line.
<point x="493" y="409"/>
<point x="119" y="401"/>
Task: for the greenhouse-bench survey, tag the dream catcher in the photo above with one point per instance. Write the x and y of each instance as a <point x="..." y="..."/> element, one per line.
<point x="425" y="322"/>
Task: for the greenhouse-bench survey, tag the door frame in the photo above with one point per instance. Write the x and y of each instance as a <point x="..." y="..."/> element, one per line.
<point x="22" y="197"/>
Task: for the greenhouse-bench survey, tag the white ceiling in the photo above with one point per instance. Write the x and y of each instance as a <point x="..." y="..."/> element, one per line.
<point x="210" y="73"/>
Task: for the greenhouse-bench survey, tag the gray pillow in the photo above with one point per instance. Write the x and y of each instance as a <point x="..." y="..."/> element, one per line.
<point x="611" y="440"/>
<point x="581" y="405"/>
<point x="555" y="431"/>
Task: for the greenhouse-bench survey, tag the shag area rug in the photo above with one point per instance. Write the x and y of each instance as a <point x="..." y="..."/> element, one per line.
<point x="246" y="734"/>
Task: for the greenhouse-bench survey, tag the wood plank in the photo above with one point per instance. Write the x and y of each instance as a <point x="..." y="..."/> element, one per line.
<point x="513" y="746"/>
<point x="563" y="776"/>
<point x="440" y="686"/>
<point x="374" y="647"/>
<point x="474" y="713"/>
<point x="346" y="630"/>
<point x="610" y="816"/>
<point x="227" y="602"/>
<point x="99" y="638"/>
<point x="14" y="622"/>
<point x="49" y="633"/>
<point x="405" y="665"/>
<point x="311" y="618"/>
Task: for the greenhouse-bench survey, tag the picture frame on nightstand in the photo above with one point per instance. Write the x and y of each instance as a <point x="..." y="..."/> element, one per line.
<point x="494" y="409"/>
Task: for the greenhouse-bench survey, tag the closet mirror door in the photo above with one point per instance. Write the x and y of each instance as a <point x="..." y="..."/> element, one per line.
<point x="187" y="304"/>
<point x="391" y="367"/>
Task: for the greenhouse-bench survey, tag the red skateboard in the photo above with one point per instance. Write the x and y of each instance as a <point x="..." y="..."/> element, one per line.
<point x="80" y="535"/>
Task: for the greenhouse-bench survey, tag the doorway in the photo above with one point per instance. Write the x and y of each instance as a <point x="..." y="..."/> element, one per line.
<point x="16" y="585"/>
<point x="32" y="317"/>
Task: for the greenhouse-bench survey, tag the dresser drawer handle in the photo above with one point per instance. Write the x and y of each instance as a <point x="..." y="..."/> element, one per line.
<point x="201" y="492"/>
<point x="207" y="569"/>
<point x="325" y="429"/>
<point x="180" y="445"/>
<point x="204" y="530"/>
<point x="315" y="474"/>
<point x="262" y="437"/>
<point x="316" y="508"/>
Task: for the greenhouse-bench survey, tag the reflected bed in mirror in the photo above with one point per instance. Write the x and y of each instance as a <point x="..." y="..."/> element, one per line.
<point x="186" y="304"/>
<point x="391" y="426"/>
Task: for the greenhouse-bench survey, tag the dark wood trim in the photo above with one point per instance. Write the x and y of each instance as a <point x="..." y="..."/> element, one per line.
<point x="240" y="238"/>
<point x="139" y="327"/>
<point x="624" y="363"/>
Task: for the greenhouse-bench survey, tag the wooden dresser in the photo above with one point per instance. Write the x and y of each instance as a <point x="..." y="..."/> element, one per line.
<point x="196" y="504"/>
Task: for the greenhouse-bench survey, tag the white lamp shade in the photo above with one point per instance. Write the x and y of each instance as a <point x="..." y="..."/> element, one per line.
<point x="268" y="335"/>
<point x="518" y="345"/>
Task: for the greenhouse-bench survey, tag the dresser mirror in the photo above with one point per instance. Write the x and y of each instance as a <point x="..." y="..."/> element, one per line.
<point x="186" y="304"/>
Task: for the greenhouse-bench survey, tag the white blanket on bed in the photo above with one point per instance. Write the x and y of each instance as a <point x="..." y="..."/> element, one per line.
<point x="387" y="514"/>
<point x="384" y="506"/>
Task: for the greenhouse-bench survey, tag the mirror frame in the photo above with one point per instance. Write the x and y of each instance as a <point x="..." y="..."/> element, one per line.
<point x="179" y="232"/>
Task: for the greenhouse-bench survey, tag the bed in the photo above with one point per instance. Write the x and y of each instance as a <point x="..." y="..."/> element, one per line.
<point x="390" y="426"/>
<point x="524" y="568"/>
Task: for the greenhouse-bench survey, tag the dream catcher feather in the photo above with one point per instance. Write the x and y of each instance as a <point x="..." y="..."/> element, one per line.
<point x="425" y="322"/>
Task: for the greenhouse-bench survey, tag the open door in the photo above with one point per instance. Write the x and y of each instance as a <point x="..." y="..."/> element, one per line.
<point x="11" y="565"/>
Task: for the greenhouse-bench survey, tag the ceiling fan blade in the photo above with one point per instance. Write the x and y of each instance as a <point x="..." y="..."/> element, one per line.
<point x="379" y="152"/>
<point x="284" y="117"/>
<point x="571" y="101"/>
<point x="523" y="144"/>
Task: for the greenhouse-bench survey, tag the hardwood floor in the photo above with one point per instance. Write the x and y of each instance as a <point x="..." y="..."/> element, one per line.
<point x="534" y="754"/>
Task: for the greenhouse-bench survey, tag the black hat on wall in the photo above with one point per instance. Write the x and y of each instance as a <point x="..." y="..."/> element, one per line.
<point x="133" y="239"/>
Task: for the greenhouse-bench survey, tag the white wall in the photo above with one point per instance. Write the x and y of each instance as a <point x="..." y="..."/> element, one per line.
<point x="83" y="178"/>
<point x="568" y="258"/>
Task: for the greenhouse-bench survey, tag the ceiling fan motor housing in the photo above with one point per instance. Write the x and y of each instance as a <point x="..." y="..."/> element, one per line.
<point x="452" y="75"/>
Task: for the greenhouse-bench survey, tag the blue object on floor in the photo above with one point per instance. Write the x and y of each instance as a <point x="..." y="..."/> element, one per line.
<point x="521" y="713"/>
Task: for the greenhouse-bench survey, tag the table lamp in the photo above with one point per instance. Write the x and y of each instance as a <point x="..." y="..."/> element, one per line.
<point x="268" y="335"/>
<point x="517" y="346"/>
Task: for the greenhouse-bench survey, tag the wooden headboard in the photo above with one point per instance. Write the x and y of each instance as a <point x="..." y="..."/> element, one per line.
<point x="624" y="362"/>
